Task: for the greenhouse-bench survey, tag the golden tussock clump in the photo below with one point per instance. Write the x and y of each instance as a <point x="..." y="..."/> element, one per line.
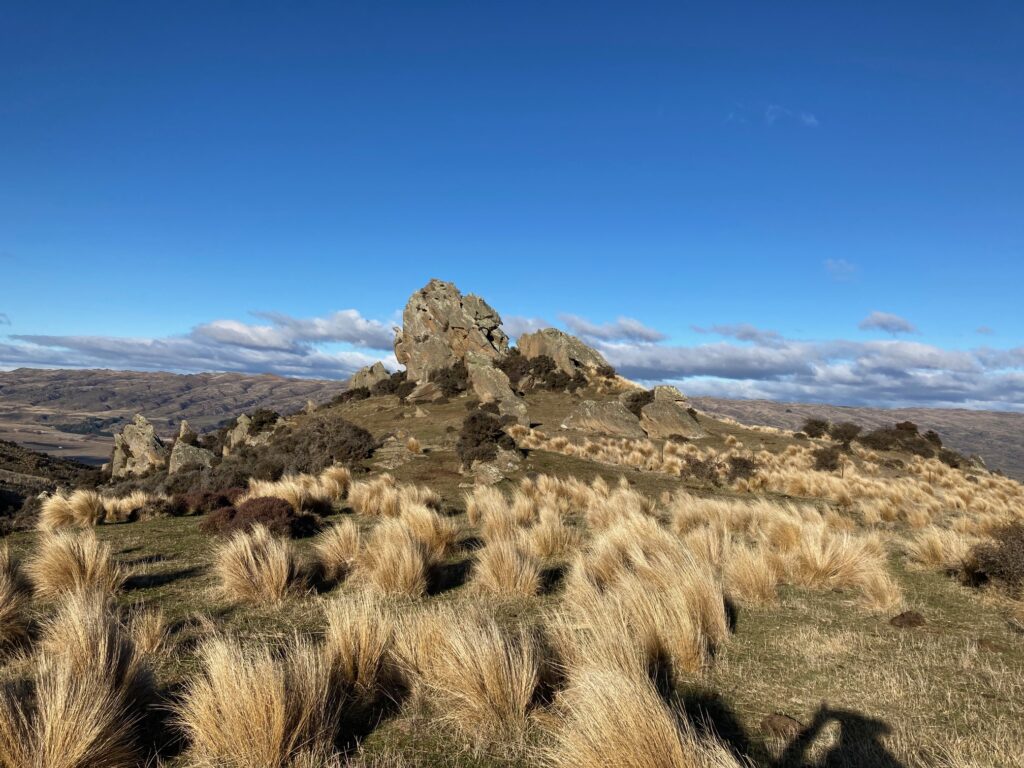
<point x="502" y="568"/>
<point x="551" y="538"/>
<point x="337" y="548"/>
<point x="14" y="601"/>
<point x="413" y="446"/>
<point x="303" y="492"/>
<point x="751" y="575"/>
<point x="376" y="498"/>
<point x="69" y="562"/>
<point x="250" y="708"/>
<point x="393" y="562"/>
<point x="941" y="549"/>
<point x="125" y="508"/>
<point x="90" y="684"/>
<point x="256" y="566"/>
<point x="436" y="533"/>
<point x="81" y="508"/>
<point x="358" y="640"/>
<point x="481" y="677"/>
<point x="612" y="719"/>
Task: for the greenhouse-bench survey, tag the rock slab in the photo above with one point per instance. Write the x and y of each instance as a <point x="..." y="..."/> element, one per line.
<point x="609" y="418"/>
<point x="571" y="355"/>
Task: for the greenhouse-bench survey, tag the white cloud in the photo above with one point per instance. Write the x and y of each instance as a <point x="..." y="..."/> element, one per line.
<point x="775" y="113"/>
<point x="742" y="332"/>
<point x="287" y="346"/>
<point x="623" y="329"/>
<point x="888" y="322"/>
<point x="840" y="270"/>
<point x="516" y="325"/>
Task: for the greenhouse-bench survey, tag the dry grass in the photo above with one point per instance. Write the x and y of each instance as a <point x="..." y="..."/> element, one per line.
<point x="69" y="562"/>
<point x="612" y="719"/>
<point x="89" y="683"/>
<point x="125" y="508"/>
<point x="941" y="549"/>
<point x="378" y="497"/>
<point x="481" y="678"/>
<point x="551" y="538"/>
<point x="436" y="533"/>
<point x="337" y="548"/>
<point x="412" y="445"/>
<point x="81" y="508"/>
<point x="393" y="562"/>
<point x="751" y="575"/>
<point x="357" y="644"/>
<point x="253" y="709"/>
<point x="14" y="601"/>
<point x="255" y="566"/>
<point x="150" y="632"/>
<point x="502" y="568"/>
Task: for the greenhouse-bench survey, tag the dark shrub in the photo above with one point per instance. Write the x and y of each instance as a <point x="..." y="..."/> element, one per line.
<point x="172" y="507"/>
<point x="397" y="384"/>
<point x="542" y="371"/>
<point x="606" y="372"/>
<point x="481" y="436"/>
<point x="262" y="419"/>
<point x="276" y="514"/>
<point x="491" y="407"/>
<point x="741" y="468"/>
<point x="901" y="437"/>
<point x="845" y="432"/>
<point x="799" y="435"/>
<point x="951" y="458"/>
<point x="703" y="471"/>
<point x="452" y="380"/>
<point x="318" y="441"/>
<point x="200" y="502"/>
<point x="513" y="365"/>
<point x="826" y="459"/>
<point x="635" y="401"/>
<point x="358" y="393"/>
<point x="815" y="427"/>
<point x="933" y="437"/>
<point x="1003" y="558"/>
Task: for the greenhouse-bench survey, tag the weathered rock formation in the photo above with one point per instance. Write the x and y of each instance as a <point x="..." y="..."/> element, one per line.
<point x="369" y="375"/>
<point x="571" y="355"/>
<point x="241" y="434"/>
<point x="491" y="385"/>
<point x="609" y="418"/>
<point x="440" y="326"/>
<point x="137" y="449"/>
<point x="669" y="414"/>
<point x="186" y="453"/>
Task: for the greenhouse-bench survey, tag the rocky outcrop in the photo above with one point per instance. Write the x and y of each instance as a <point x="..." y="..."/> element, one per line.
<point x="186" y="453"/>
<point x="137" y="449"/>
<point x="669" y="415"/>
<point x="241" y="434"/>
<point x="369" y="375"/>
<point x="440" y="326"/>
<point x="491" y="385"/>
<point x="609" y="418"/>
<point x="571" y="355"/>
<point x="492" y="472"/>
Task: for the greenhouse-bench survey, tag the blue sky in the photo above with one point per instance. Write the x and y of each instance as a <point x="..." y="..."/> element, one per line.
<point x="715" y="173"/>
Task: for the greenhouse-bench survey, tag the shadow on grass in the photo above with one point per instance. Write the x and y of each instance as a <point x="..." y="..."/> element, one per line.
<point x="149" y="580"/>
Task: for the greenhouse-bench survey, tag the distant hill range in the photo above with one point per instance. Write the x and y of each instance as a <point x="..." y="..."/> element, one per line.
<point x="996" y="436"/>
<point x="73" y="413"/>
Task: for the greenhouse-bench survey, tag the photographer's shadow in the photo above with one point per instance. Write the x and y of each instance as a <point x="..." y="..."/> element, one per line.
<point x="859" y="744"/>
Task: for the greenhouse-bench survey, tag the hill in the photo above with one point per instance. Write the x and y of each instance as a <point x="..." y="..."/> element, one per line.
<point x="74" y="413"/>
<point x="998" y="437"/>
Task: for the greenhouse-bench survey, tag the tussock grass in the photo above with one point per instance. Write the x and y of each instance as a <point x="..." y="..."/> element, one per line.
<point x="611" y="719"/>
<point x="250" y="708"/>
<point x="69" y="562"/>
<point x="255" y="566"/>
<point x="124" y="508"/>
<point x="412" y="445"/>
<point x="378" y="497"/>
<point x="358" y="640"/>
<point x="551" y="538"/>
<point x="337" y="548"/>
<point x="393" y="562"/>
<point x="941" y="549"/>
<point x="14" y="601"/>
<point x="502" y="568"/>
<point x="481" y="678"/>
<point x="80" y="509"/>
<point x="751" y="575"/>
<point x="436" y="533"/>
<point x="89" y="683"/>
<point x="150" y="631"/>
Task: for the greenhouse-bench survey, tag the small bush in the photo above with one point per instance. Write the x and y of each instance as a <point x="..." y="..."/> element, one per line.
<point x="262" y="420"/>
<point x="200" y="502"/>
<point x="606" y="372"/>
<point x="826" y="459"/>
<point x="845" y="432"/>
<point x="397" y="384"/>
<point x="635" y="401"/>
<point x="481" y="436"/>
<point x="815" y="427"/>
<point x="704" y="471"/>
<point x="277" y="515"/>
<point x="541" y="370"/>
<point x="900" y="437"/>
<point x="452" y="380"/>
<point x="319" y="441"/>
<point x="741" y="468"/>
<point x="1003" y="558"/>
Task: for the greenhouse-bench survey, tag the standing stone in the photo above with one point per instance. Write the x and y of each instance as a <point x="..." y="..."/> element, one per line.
<point x="369" y="375"/>
<point x="571" y="355"/>
<point x="440" y="326"/>
<point x="137" y="449"/>
<point x="491" y="385"/>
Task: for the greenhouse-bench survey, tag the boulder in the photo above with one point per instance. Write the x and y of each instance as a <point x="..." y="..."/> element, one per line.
<point x="610" y="418"/>
<point x="664" y="418"/>
<point x="440" y="326"/>
<point x="493" y="472"/>
<point x="491" y="385"/>
<point x="571" y="355"/>
<point x="184" y="454"/>
<point x="369" y="375"/>
<point x="425" y="392"/>
<point x="241" y="434"/>
<point x="666" y="392"/>
<point x="137" y="449"/>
